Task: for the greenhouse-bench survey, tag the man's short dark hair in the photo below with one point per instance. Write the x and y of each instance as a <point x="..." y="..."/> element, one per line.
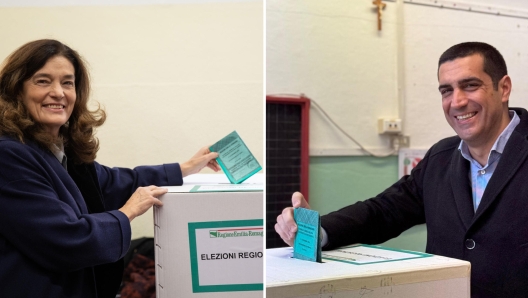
<point x="494" y="64"/>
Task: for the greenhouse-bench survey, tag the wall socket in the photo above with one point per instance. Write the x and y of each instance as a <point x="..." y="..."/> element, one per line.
<point x="389" y="126"/>
<point x="404" y="141"/>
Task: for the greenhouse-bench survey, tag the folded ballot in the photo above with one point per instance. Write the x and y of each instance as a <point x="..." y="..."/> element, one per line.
<point x="307" y="245"/>
<point x="235" y="159"/>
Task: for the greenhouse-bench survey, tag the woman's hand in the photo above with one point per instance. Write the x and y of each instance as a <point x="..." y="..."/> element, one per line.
<point x="203" y="158"/>
<point x="141" y="201"/>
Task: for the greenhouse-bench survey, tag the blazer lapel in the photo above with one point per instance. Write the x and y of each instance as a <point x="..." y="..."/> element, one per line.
<point x="59" y="170"/>
<point x="512" y="158"/>
<point x="85" y="177"/>
<point x="460" y="181"/>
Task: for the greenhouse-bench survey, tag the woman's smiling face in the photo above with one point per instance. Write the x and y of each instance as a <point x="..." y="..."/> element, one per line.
<point x="49" y="95"/>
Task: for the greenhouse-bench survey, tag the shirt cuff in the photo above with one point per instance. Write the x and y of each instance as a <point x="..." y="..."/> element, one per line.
<point x="324" y="237"/>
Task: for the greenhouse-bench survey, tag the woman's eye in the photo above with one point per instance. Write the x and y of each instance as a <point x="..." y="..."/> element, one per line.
<point x="42" y="82"/>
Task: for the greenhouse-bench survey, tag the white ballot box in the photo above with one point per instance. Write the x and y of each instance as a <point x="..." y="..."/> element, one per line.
<point x="209" y="238"/>
<point x="366" y="271"/>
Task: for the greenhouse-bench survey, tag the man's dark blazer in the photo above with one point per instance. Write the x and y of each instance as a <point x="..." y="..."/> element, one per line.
<point x="438" y="192"/>
<point x="60" y="231"/>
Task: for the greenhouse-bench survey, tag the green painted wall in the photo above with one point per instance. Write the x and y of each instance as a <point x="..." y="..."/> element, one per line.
<point x="336" y="182"/>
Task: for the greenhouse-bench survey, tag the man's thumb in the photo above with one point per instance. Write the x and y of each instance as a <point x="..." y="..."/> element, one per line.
<point x="299" y="201"/>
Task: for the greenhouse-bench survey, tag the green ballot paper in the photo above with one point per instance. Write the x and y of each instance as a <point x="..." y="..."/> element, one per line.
<point x="235" y="159"/>
<point x="307" y="245"/>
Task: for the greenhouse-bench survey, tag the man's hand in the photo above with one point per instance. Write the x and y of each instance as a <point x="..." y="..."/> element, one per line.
<point x="203" y="158"/>
<point x="286" y="226"/>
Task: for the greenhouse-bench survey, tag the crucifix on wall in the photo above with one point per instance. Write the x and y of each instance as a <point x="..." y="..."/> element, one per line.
<point x="380" y="6"/>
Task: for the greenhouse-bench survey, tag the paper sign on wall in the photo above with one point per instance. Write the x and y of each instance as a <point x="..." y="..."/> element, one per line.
<point x="408" y="159"/>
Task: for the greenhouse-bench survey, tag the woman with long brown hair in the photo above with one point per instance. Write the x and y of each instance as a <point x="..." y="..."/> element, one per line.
<point x="64" y="218"/>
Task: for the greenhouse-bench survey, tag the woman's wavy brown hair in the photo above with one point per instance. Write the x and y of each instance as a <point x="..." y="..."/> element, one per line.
<point x="15" y="120"/>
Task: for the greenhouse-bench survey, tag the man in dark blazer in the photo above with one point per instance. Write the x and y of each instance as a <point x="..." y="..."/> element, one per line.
<point x="471" y="189"/>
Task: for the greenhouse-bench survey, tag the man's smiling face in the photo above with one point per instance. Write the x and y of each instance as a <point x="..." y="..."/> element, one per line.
<point x="474" y="109"/>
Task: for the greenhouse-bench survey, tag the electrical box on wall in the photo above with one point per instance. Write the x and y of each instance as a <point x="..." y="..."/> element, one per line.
<point x="389" y="126"/>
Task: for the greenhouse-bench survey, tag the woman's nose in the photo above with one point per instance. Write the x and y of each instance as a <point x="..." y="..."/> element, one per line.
<point x="57" y="91"/>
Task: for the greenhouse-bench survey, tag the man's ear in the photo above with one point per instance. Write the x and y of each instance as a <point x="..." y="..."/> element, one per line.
<point x="505" y="87"/>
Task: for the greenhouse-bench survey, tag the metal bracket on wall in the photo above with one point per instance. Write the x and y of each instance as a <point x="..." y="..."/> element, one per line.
<point x="471" y="7"/>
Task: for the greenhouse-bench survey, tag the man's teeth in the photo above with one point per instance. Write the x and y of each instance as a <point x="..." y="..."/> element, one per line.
<point x="469" y="115"/>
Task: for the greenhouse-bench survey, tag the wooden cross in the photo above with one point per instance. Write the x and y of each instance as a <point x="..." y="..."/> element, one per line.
<point x="380" y="5"/>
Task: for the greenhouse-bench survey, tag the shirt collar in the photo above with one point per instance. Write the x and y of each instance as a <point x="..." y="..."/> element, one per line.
<point x="58" y="151"/>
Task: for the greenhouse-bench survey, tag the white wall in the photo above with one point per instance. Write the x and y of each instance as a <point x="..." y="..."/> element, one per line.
<point x="429" y="31"/>
<point x="172" y="77"/>
<point x="333" y="53"/>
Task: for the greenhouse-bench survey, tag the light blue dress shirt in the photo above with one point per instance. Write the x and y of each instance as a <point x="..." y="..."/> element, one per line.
<point x="480" y="175"/>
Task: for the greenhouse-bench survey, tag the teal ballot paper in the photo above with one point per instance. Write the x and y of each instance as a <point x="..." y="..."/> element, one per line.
<point x="307" y="245"/>
<point x="235" y="159"/>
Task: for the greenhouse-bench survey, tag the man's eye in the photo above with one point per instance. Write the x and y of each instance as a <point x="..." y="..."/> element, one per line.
<point x="444" y="91"/>
<point x="471" y="86"/>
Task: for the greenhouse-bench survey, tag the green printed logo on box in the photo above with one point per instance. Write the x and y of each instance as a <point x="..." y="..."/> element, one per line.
<point x="253" y="232"/>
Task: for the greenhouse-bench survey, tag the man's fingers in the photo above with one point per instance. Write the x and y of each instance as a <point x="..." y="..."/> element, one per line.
<point x="281" y="232"/>
<point x="286" y="226"/>
<point x="287" y="221"/>
<point x="284" y="231"/>
<point x="299" y="201"/>
<point x="283" y="236"/>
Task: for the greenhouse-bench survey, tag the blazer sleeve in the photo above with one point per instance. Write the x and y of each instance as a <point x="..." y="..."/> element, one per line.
<point x="118" y="184"/>
<point x="381" y="218"/>
<point x="43" y="217"/>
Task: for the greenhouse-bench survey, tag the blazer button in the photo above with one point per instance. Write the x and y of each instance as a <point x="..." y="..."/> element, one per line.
<point x="470" y="244"/>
